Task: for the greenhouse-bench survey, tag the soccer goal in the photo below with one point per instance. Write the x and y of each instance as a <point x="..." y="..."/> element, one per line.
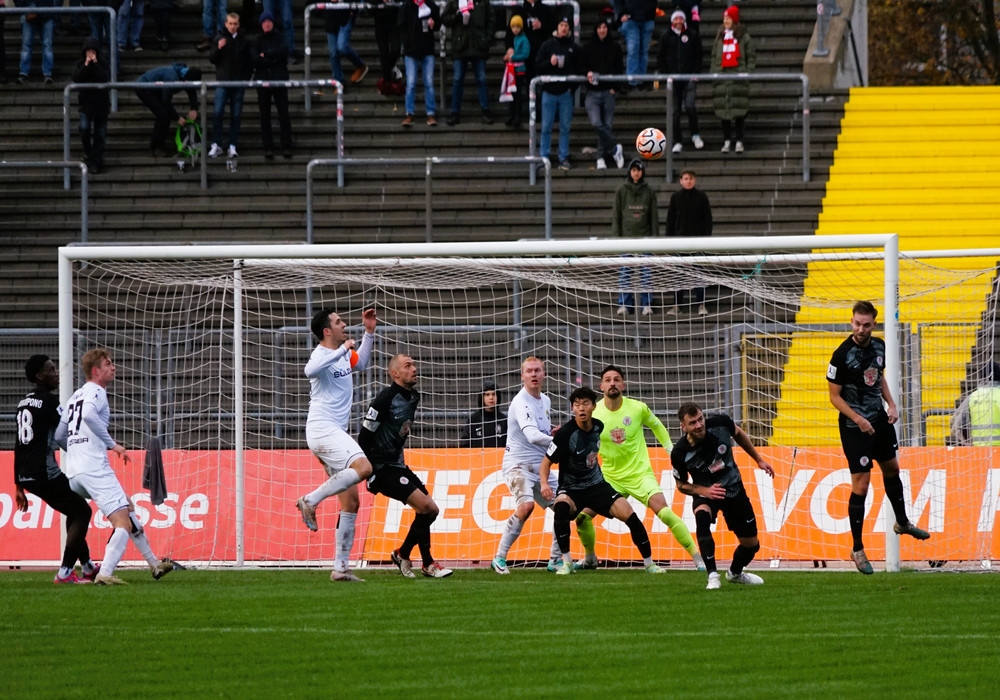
<point x="210" y="343"/>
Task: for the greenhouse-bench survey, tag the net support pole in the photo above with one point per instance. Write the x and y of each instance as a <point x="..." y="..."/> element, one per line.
<point x="238" y="409"/>
<point x="894" y="374"/>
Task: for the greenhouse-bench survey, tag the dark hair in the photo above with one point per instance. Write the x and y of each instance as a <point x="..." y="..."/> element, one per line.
<point x="33" y="366"/>
<point x="687" y="409"/>
<point x="688" y="171"/>
<point x="612" y="368"/>
<point x="320" y="321"/>
<point x="865" y="308"/>
<point x="583" y="392"/>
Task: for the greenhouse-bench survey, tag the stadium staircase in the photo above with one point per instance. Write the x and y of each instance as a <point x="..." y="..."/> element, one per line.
<point x="917" y="162"/>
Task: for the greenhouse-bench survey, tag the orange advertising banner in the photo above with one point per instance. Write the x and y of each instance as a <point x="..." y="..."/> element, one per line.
<point x="954" y="493"/>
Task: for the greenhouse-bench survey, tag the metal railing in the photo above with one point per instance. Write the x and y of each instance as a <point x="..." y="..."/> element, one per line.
<point x="66" y="164"/>
<point x="429" y="164"/>
<point x="202" y="103"/>
<point x="669" y="78"/>
<point x="112" y="31"/>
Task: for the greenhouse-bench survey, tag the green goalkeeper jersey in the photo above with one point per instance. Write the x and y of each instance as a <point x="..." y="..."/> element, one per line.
<point x="623" y="443"/>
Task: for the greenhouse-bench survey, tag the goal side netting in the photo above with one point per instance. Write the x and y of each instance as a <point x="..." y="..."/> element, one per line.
<point x="210" y="345"/>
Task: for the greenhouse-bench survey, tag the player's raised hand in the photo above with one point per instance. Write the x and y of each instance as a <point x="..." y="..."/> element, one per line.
<point x="369" y="320"/>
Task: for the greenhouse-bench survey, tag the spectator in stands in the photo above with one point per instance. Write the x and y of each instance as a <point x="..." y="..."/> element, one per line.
<point x="386" y="17"/>
<point x="159" y="101"/>
<point x="33" y="25"/>
<point x="559" y="56"/>
<point x="635" y="215"/>
<point x="418" y="21"/>
<point x="603" y="56"/>
<point x="539" y="21"/>
<point x="689" y="215"/>
<point x="231" y="54"/>
<point x="95" y="105"/>
<point x="131" y="17"/>
<point x="692" y="13"/>
<point x="162" y="15"/>
<point x="637" y="20"/>
<point x="977" y="419"/>
<point x="213" y="21"/>
<point x="284" y="12"/>
<point x="100" y="22"/>
<point x="732" y="52"/>
<point x="271" y="63"/>
<point x="487" y="425"/>
<point x="518" y="53"/>
<point x="680" y="52"/>
<point x="471" y="25"/>
<point x="339" y="25"/>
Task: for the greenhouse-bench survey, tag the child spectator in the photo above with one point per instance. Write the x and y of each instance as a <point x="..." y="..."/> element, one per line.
<point x="518" y="52"/>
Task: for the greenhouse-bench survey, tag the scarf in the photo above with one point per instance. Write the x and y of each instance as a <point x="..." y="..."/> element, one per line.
<point x="730" y="50"/>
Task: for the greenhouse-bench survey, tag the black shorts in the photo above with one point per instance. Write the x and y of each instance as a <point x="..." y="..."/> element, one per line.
<point x="395" y="481"/>
<point x="738" y="510"/>
<point x="861" y="448"/>
<point x="58" y="494"/>
<point x="598" y="498"/>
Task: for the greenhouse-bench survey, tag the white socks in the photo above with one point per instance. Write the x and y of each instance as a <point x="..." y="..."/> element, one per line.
<point x="345" y="536"/>
<point x="338" y="483"/>
<point x="141" y="543"/>
<point x="114" y="551"/>
<point x="511" y="531"/>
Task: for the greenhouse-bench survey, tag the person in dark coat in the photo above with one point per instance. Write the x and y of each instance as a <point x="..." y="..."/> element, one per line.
<point x="270" y="60"/>
<point x="732" y="52"/>
<point x="95" y="105"/>
<point x="602" y="55"/>
<point x="689" y="215"/>
<point x="487" y="425"/>
<point x="559" y="56"/>
<point x="231" y="54"/>
<point x="419" y="20"/>
<point x="159" y="101"/>
<point x="680" y="52"/>
<point x="471" y="31"/>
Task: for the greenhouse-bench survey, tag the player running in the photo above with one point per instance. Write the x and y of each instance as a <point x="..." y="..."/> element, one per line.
<point x="625" y="458"/>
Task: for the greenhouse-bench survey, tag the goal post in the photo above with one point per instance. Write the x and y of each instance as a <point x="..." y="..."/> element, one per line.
<point x="210" y="342"/>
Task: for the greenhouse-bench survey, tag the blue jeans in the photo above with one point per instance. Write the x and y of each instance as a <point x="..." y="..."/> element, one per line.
<point x="600" y="106"/>
<point x="285" y="16"/>
<point x="93" y="133"/>
<point x="234" y="96"/>
<point x="551" y="106"/>
<point x="213" y="17"/>
<point x="100" y="27"/>
<point x="28" y="33"/>
<point x="131" y="11"/>
<point x="458" y="86"/>
<point x="340" y="45"/>
<point x="637" y="37"/>
<point x="626" y="298"/>
<point x="426" y="64"/>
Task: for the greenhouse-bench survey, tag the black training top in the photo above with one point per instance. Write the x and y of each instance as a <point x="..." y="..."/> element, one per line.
<point x="386" y="425"/>
<point x="575" y="451"/>
<point x="859" y="372"/>
<point x="34" y="448"/>
<point x="710" y="461"/>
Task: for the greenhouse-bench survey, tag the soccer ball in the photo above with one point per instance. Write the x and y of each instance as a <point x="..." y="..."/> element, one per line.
<point x="651" y="143"/>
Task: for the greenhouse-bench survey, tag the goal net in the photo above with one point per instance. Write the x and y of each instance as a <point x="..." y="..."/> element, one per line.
<point x="210" y="344"/>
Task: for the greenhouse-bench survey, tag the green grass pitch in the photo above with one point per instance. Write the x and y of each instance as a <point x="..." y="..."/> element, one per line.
<point x="616" y="634"/>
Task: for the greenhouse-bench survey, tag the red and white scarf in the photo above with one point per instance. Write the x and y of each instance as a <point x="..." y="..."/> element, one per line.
<point x="730" y="50"/>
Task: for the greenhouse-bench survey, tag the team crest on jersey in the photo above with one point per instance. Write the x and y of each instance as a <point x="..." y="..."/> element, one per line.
<point x="721" y="449"/>
<point x="618" y="436"/>
<point x="592" y="460"/>
<point x="627" y="420"/>
<point x="871" y="376"/>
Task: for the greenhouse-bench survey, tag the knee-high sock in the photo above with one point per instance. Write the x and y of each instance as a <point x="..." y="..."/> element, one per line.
<point x="560" y="524"/>
<point x="706" y="543"/>
<point x="138" y="536"/>
<point x="856" y="516"/>
<point x="114" y="551"/>
<point x="419" y="536"/>
<point x="741" y="557"/>
<point x="640" y="538"/>
<point x="345" y="538"/>
<point x="678" y="529"/>
<point x="894" y="490"/>
<point x="77" y="522"/>
<point x="587" y="534"/>
<point x="338" y="483"/>
<point x="511" y="531"/>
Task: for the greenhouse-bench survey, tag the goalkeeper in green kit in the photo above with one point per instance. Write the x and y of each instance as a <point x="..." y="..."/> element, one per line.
<point x="625" y="458"/>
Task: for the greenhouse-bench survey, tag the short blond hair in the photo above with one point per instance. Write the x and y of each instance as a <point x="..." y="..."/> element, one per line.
<point x="93" y="358"/>
<point x="531" y="358"/>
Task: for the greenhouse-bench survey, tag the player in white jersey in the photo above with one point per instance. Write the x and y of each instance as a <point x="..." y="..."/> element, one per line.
<point x="331" y="390"/>
<point x="83" y="433"/>
<point x="529" y="434"/>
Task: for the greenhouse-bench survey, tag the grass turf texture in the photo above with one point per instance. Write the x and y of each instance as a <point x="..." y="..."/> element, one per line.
<point x="531" y="634"/>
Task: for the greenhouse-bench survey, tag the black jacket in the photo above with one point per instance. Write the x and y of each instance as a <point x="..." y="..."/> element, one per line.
<point x="679" y="53"/>
<point x="570" y="51"/>
<point x="689" y="214"/>
<point x="270" y="57"/>
<point x="234" y="60"/>
<point x="93" y="103"/>
<point x="604" y="58"/>
<point x="416" y="42"/>
<point x="485" y="429"/>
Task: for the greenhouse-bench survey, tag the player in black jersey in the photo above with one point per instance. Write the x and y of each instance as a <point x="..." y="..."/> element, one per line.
<point x="705" y="455"/>
<point x="575" y="449"/>
<point x="384" y="430"/>
<point x="857" y="390"/>
<point x="36" y="470"/>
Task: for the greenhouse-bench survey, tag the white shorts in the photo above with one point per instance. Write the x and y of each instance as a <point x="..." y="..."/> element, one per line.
<point x="334" y="448"/>
<point x="103" y="488"/>
<point x="525" y="485"/>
